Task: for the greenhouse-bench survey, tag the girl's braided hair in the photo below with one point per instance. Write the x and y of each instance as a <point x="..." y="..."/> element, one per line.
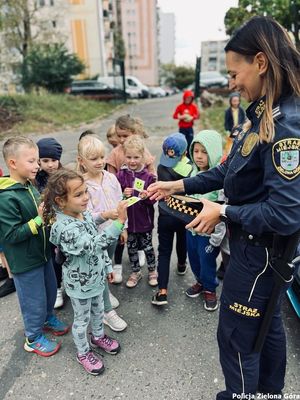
<point x="57" y="187"/>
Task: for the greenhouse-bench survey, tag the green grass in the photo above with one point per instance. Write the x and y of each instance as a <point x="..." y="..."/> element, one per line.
<point x="213" y="118"/>
<point x="47" y="113"/>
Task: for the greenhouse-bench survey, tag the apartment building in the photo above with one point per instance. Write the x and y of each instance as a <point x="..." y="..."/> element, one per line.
<point x="166" y="38"/>
<point x="85" y="34"/>
<point x="213" y="55"/>
<point x="88" y="28"/>
<point x="140" y="34"/>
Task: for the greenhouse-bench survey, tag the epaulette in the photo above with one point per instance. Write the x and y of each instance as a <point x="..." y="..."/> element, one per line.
<point x="276" y="113"/>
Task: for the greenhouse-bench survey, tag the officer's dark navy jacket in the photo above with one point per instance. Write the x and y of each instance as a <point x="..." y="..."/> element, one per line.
<point x="263" y="187"/>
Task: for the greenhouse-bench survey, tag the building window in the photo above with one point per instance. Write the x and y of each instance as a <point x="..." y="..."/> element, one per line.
<point x="42" y="3"/>
<point x="51" y="3"/>
<point x="54" y="24"/>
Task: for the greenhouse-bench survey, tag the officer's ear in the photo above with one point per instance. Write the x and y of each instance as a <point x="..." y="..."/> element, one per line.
<point x="262" y="63"/>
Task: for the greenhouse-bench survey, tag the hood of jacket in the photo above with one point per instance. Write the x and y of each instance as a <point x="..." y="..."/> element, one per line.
<point x="7" y="183"/>
<point x="187" y="93"/>
<point x="212" y="141"/>
<point x="143" y="171"/>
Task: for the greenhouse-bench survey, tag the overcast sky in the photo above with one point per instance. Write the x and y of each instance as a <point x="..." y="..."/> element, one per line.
<point x="196" y="21"/>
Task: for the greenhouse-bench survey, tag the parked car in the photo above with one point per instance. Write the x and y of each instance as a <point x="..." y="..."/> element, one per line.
<point x="133" y="93"/>
<point x="211" y="79"/>
<point x="133" y="85"/>
<point x="170" y="90"/>
<point x="133" y="82"/>
<point x="95" y="89"/>
<point x="156" y="91"/>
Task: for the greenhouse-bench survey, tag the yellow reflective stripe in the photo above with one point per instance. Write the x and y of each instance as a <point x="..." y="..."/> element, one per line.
<point x="32" y="226"/>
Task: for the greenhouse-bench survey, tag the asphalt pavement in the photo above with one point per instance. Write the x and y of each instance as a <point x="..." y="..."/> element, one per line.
<point x="168" y="353"/>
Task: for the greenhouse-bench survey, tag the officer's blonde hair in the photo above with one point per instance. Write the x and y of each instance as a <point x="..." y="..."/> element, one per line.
<point x="263" y="34"/>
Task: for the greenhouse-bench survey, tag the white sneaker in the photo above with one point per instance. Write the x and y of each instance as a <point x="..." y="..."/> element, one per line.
<point x="117" y="269"/>
<point x="59" y="302"/>
<point x="113" y="300"/>
<point x="115" y="322"/>
<point x="142" y="258"/>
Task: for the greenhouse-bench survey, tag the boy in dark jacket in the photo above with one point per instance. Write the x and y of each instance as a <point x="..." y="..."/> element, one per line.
<point x="186" y="113"/>
<point x="174" y="165"/>
<point x="26" y="244"/>
<point x="134" y="179"/>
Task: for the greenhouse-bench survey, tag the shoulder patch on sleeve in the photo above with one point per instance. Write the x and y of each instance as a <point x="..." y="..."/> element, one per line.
<point x="286" y="157"/>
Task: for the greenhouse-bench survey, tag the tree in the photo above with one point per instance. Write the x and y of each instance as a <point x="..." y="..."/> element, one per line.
<point x="24" y="22"/>
<point x="119" y="46"/>
<point x="286" y="12"/>
<point x="50" y="66"/>
<point x="179" y="76"/>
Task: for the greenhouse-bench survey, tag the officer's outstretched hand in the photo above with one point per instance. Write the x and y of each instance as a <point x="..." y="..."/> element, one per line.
<point x="159" y="190"/>
<point x="208" y="218"/>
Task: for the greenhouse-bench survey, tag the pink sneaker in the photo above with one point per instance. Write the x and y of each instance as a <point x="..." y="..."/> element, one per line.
<point x="92" y="364"/>
<point x="107" y="344"/>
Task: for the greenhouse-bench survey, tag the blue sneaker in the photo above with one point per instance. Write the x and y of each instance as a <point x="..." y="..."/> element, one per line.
<point x="42" y="346"/>
<point x="55" y="326"/>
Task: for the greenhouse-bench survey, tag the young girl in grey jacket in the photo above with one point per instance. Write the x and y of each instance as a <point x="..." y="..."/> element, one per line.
<point x="87" y="261"/>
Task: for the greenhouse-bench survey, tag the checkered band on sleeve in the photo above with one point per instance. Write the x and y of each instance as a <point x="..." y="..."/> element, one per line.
<point x="181" y="206"/>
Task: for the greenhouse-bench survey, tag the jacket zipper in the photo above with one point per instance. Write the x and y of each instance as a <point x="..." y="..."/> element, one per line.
<point x="43" y="228"/>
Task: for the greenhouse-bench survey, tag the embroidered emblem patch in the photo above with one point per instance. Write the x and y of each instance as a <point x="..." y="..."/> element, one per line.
<point x="249" y="143"/>
<point x="286" y="157"/>
<point x="260" y="108"/>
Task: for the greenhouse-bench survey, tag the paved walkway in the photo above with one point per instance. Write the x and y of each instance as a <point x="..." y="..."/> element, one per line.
<point x="167" y="354"/>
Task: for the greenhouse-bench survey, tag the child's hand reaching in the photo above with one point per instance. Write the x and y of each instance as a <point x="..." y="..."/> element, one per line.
<point x="110" y="277"/>
<point x="122" y="211"/>
<point x="124" y="237"/>
<point x="41" y="210"/>
<point x="143" y="194"/>
<point x="110" y="214"/>
<point x="128" y="192"/>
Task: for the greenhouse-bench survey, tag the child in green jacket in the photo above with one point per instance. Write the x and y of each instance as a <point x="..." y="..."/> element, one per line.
<point x="26" y="244"/>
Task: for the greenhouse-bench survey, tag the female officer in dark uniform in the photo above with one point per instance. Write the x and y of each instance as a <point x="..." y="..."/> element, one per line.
<point x="261" y="179"/>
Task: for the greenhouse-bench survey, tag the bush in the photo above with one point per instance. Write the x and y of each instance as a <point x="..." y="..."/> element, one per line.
<point x="50" y="66"/>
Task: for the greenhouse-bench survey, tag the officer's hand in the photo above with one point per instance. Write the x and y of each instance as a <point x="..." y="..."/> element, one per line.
<point x="159" y="190"/>
<point x="208" y="218"/>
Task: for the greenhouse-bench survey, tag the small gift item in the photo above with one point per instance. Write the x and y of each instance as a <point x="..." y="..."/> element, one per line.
<point x="182" y="207"/>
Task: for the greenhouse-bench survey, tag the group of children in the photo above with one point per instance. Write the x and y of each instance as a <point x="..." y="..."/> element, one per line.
<point x="73" y="239"/>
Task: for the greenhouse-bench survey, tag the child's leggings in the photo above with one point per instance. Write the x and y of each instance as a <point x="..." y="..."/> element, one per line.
<point x="140" y="241"/>
<point x="86" y="311"/>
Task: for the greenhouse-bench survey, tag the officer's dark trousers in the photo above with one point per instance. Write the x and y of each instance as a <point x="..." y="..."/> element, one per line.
<point x="247" y="287"/>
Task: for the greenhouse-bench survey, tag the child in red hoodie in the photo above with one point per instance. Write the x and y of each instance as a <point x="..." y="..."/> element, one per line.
<point x="186" y="113"/>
